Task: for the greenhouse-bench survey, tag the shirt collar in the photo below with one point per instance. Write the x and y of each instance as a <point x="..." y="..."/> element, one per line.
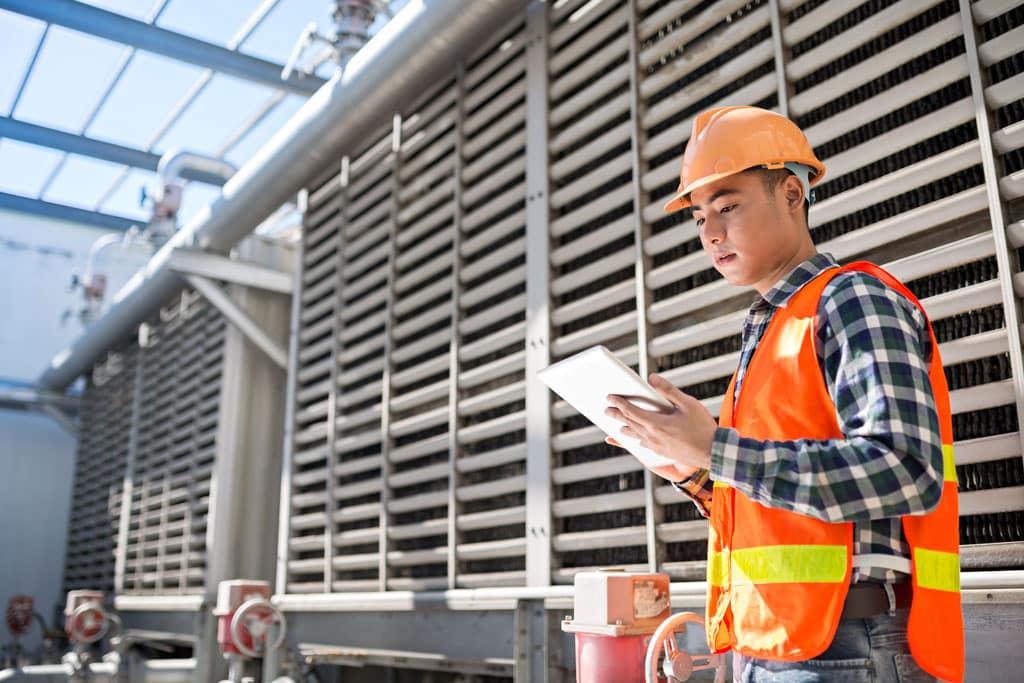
<point x="784" y="289"/>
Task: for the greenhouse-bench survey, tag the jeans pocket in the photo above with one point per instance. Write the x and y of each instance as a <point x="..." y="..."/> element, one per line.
<point x="908" y="670"/>
<point x="810" y="671"/>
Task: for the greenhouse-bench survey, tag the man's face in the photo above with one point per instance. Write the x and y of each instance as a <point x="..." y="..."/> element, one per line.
<point x="748" y="236"/>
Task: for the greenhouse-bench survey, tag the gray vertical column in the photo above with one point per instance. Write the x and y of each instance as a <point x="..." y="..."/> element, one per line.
<point x="127" y="487"/>
<point x="331" y="459"/>
<point x="453" y="347"/>
<point x="993" y="168"/>
<point x="538" y="316"/>
<point x="653" y="514"/>
<point x="781" y="57"/>
<point x="389" y="330"/>
<point x="291" y="382"/>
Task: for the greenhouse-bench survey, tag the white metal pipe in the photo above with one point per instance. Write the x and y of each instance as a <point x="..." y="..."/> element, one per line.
<point x="419" y="46"/>
<point x="172" y="164"/>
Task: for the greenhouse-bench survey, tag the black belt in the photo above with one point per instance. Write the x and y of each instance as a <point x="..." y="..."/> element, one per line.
<point x="866" y="600"/>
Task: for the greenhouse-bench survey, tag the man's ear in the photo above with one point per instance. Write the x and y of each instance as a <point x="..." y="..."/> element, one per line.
<point x="793" y="192"/>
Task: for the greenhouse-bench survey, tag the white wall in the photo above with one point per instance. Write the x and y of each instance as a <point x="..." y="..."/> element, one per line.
<point x="37" y="257"/>
<point x="36" y="466"/>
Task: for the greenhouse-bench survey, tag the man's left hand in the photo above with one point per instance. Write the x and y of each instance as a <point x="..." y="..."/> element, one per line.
<point x="685" y="434"/>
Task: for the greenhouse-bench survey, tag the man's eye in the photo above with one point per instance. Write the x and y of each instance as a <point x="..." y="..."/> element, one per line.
<point x="700" y="222"/>
<point x="727" y="209"/>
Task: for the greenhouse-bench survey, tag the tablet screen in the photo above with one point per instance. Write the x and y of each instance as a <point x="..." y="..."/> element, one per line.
<point x="585" y="380"/>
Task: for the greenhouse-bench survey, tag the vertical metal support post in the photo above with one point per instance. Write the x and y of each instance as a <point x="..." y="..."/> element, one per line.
<point x="331" y="459"/>
<point x="288" y="446"/>
<point x="128" y="483"/>
<point x="1005" y="258"/>
<point x="456" y="318"/>
<point x="161" y="552"/>
<point x="389" y="331"/>
<point x="781" y="57"/>
<point x="538" y="311"/>
<point x="538" y="641"/>
<point x="653" y="514"/>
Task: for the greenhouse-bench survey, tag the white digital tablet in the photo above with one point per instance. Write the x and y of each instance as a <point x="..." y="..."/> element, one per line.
<point x="586" y="379"/>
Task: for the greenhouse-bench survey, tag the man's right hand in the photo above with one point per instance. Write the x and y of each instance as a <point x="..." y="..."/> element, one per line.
<point x="669" y="472"/>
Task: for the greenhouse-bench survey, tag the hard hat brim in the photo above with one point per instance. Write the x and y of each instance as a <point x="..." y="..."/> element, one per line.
<point x="681" y="200"/>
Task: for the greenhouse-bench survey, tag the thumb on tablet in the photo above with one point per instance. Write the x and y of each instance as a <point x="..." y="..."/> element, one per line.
<point x="612" y="442"/>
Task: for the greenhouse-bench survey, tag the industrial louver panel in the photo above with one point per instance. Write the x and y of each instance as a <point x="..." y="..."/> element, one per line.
<point x="904" y="188"/>
<point x="314" y="397"/>
<point x="357" y="457"/>
<point x="490" y="473"/>
<point x="418" y="449"/>
<point x="598" y="491"/>
<point x="884" y="95"/>
<point x="182" y="360"/>
<point x="103" y="443"/>
<point x="990" y="468"/>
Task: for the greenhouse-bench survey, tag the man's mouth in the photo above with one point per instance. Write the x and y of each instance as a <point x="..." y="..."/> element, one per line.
<point x="723" y="258"/>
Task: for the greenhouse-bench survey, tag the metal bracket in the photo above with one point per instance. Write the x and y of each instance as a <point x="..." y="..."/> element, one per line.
<point x="57" y="406"/>
<point x="192" y="262"/>
<point x="240" y="319"/>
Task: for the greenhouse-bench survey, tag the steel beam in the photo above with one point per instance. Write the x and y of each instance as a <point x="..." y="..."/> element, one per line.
<point x="39" y="207"/>
<point x="538" y="302"/>
<point x="191" y="262"/>
<point x="102" y="23"/>
<point x="90" y="147"/>
<point x="237" y="317"/>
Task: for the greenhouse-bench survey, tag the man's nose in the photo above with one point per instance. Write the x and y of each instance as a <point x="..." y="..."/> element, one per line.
<point x="711" y="232"/>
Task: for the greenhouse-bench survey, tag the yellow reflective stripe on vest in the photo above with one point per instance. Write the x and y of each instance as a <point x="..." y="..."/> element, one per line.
<point x="779" y="564"/>
<point x="937" y="570"/>
<point x="948" y="464"/>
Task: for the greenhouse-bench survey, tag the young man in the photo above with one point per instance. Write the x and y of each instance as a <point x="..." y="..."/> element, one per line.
<point x="833" y="541"/>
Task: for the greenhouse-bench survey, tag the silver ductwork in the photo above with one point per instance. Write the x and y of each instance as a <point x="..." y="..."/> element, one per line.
<point x="150" y="671"/>
<point x="413" y="51"/>
<point x="173" y="163"/>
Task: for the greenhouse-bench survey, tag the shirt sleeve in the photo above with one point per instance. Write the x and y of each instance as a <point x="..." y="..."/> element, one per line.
<point x="698" y="488"/>
<point x="874" y="350"/>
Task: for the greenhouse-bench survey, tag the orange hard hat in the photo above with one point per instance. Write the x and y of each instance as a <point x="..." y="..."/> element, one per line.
<point x="729" y="140"/>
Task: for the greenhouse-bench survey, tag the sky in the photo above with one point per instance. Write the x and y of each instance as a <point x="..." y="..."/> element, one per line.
<point x="73" y="71"/>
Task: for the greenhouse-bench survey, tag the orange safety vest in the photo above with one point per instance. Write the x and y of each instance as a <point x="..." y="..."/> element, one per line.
<point x="777" y="580"/>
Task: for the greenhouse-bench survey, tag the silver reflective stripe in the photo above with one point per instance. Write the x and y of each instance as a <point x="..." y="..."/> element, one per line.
<point x="899" y="564"/>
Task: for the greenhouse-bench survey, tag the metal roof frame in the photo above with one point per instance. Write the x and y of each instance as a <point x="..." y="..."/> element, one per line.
<point x="91" y="147"/>
<point x="145" y="36"/>
<point x="40" y="207"/>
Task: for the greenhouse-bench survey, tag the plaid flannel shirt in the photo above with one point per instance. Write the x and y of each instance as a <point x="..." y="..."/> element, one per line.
<point x="874" y="351"/>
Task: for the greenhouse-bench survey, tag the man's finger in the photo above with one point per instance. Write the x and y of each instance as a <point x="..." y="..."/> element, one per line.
<point x="668" y="390"/>
<point x="612" y="442"/>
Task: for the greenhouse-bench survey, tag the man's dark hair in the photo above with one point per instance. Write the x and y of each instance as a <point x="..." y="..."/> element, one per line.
<point x="772" y="178"/>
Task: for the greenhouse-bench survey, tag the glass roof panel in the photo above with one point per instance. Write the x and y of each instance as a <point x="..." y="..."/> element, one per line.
<point x="214" y="22"/>
<point x="219" y="110"/>
<point x="24" y="168"/>
<point x="81" y="180"/>
<point x="136" y="9"/>
<point x="125" y="201"/>
<point x="264" y="130"/>
<point x="277" y="35"/>
<point x="150" y="88"/>
<point x="18" y="39"/>
<point x="68" y="79"/>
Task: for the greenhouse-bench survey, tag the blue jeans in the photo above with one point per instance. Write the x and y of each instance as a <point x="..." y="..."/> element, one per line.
<point x="871" y="650"/>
